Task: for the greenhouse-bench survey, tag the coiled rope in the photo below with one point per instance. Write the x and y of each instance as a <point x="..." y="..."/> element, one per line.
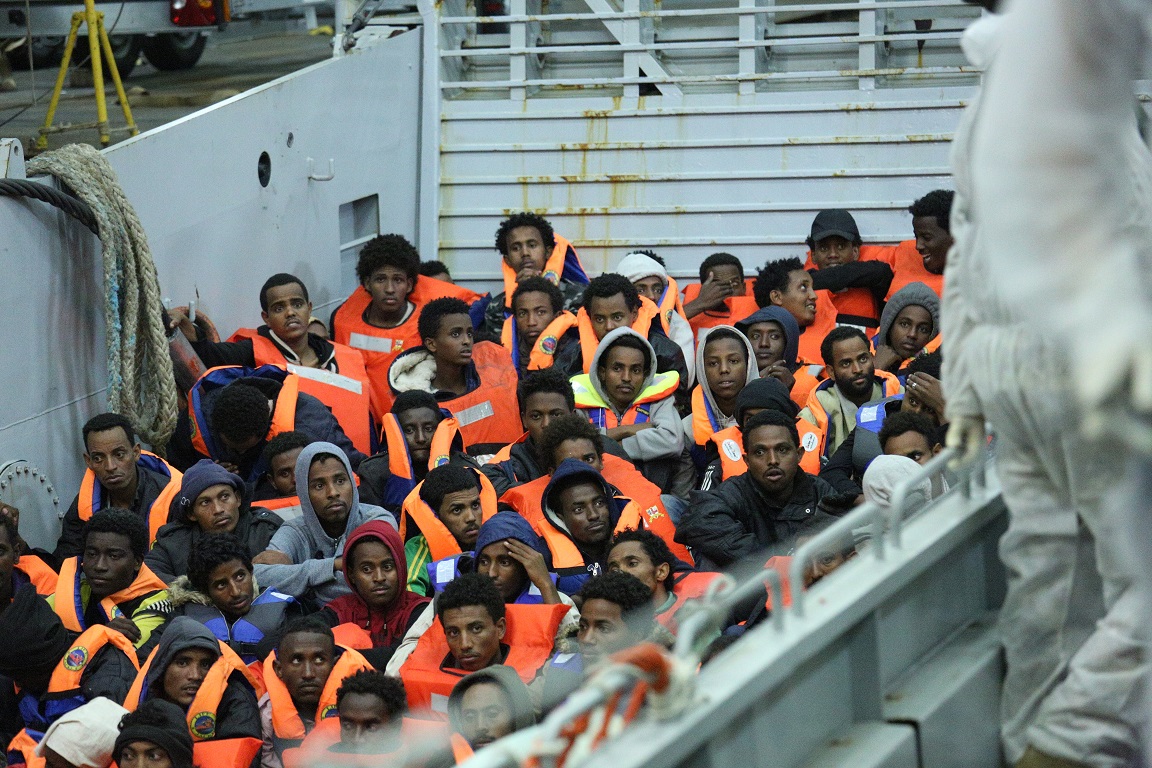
<point x="141" y="385"/>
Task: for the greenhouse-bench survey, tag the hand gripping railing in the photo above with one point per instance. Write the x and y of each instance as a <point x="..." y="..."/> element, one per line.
<point x="646" y="674"/>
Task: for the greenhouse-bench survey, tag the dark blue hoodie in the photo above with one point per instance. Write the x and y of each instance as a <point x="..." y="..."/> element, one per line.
<point x="571" y="576"/>
<point x="786" y="321"/>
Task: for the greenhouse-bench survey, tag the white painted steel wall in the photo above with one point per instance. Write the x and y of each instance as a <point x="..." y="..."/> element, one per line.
<point x="689" y="177"/>
<point x="210" y="224"/>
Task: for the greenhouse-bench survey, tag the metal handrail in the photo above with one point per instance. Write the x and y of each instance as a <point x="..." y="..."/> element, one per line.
<point x="895" y="514"/>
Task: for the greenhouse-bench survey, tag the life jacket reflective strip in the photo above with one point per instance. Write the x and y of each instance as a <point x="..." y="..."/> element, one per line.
<point x="70" y="608"/>
<point x="350" y="635"/>
<point x="461" y="749"/>
<point x="808" y="346"/>
<point x="377" y="346"/>
<point x="63" y="694"/>
<point x="91" y="498"/>
<point x="859" y="303"/>
<point x="287" y="727"/>
<point x="562" y="264"/>
<point x="530" y="632"/>
<point x="441" y="542"/>
<point x="565" y="555"/>
<point x="819" y="443"/>
<point x="39" y="573"/>
<point x="347" y="391"/>
<point x="908" y="267"/>
<point x="690" y="585"/>
<point x="588" y="341"/>
<point x="488" y="416"/>
<point x="544" y="350"/>
<point x="704" y="422"/>
<point x="807" y="378"/>
<point x="283" y="415"/>
<point x="604" y="417"/>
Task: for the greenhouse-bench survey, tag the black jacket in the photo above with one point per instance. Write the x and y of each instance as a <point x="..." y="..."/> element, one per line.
<point x="149" y="485"/>
<point x="168" y="557"/>
<point x="313" y="418"/>
<point x="735" y="520"/>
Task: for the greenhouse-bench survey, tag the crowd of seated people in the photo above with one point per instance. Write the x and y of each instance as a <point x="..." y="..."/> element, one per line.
<point x="417" y="528"/>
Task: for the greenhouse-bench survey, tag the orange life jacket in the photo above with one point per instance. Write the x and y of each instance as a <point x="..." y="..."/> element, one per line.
<point x="347" y="393"/>
<point x="530" y="632"/>
<point x="565" y="555"/>
<point x="806" y="377"/>
<point x="461" y="749"/>
<point x="782" y="564"/>
<point x="688" y="586"/>
<point x="283" y="415"/>
<point x="563" y="263"/>
<point x="704" y="423"/>
<point x="441" y="542"/>
<point x="588" y="341"/>
<point x="858" y="306"/>
<point x="439" y="451"/>
<point x="527" y="499"/>
<point x="736" y="308"/>
<point x="818" y="442"/>
<point x="908" y="267"/>
<point x="352" y="636"/>
<point x="203" y="712"/>
<point x="39" y="573"/>
<point x="287" y="726"/>
<point x="544" y="350"/>
<point x="489" y="416"/>
<point x="64" y="694"/>
<point x="670" y="303"/>
<point x="808" y="348"/>
<point x="730" y="445"/>
<point x="91" y="498"/>
<point x="316" y="747"/>
<point x="604" y="417"/>
<point x="283" y="503"/>
<point x="68" y="604"/>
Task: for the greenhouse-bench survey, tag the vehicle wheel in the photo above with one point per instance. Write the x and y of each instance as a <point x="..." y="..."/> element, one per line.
<point x="46" y="53"/>
<point x="125" y="50"/>
<point x="175" y="50"/>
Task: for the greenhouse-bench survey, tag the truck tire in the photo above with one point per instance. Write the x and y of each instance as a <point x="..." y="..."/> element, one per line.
<point x="46" y="53"/>
<point x="175" y="50"/>
<point x="125" y="50"/>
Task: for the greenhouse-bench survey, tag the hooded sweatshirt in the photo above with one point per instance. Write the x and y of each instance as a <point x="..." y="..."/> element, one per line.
<point x="168" y="557"/>
<point x="507" y="679"/>
<point x="665" y="440"/>
<point x="570" y="583"/>
<point x="638" y="266"/>
<point x="510" y="525"/>
<point x="715" y="418"/>
<point x="784" y="319"/>
<point x="387" y="627"/>
<point x="913" y="294"/>
<point x="312" y="550"/>
<point x="238" y="715"/>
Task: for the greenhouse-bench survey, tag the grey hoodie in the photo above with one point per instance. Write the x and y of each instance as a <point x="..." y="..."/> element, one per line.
<point x="913" y="294"/>
<point x="303" y="539"/>
<point x="666" y="437"/>
<point x="507" y="679"/>
<point x="722" y="421"/>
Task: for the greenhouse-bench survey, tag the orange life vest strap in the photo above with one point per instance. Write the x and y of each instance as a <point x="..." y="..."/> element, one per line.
<point x="39" y="574"/>
<point x="544" y="350"/>
<point x="553" y="268"/>
<point x="588" y="341"/>
<point x="441" y="542"/>
<point x="399" y="464"/>
<point x="286" y="722"/>
<point x="66" y="676"/>
<point x="564" y="551"/>
<point x="68" y="605"/>
<point x="157" y="513"/>
<point x="352" y="636"/>
<point x="702" y="428"/>
<point x="729" y="444"/>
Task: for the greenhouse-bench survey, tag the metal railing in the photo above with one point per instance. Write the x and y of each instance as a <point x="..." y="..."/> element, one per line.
<point x="636" y="46"/>
<point x="543" y="744"/>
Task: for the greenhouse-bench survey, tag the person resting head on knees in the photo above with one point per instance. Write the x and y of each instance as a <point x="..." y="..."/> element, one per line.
<point x="437" y="270"/>
<point x="471" y="611"/>
<point x="370" y="706"/>
<point x="930" y="224"/>
<point x="488" y="705"/>
<point x="616" y="612"/>
<point x="912" y="435"/>
<point x="517" y="560"/>
<point x="280" y="456"/>
<point x="241" y="417"/>
<point x="84" y="737"/>
<point x="154" y="736"/>
<point x="536" y="303"/>
<point x="645" y="556"/>
<point x="785" y="283"/>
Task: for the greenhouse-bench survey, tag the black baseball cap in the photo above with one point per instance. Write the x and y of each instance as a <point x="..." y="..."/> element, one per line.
<point x="834" y="221"/>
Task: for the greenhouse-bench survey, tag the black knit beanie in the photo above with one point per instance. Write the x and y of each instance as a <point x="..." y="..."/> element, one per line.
<point x="162" y="723"/>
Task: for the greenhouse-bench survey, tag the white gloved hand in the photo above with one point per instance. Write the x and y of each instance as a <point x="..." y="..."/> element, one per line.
<point x="967" y="435"/>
